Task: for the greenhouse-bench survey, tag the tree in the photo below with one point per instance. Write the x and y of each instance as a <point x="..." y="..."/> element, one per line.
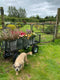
<point x="50" y="18"/>
<point x="46" y="17"/>
<point x="37" y="16"/>
<point x="15" y="12"/>
<point x="21" y="13"/>
<point x="12" y="11"/>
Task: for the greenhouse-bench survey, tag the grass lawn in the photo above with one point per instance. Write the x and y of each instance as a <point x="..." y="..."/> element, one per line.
<point x="0" y="25"/>
<point x="44" y="65"/>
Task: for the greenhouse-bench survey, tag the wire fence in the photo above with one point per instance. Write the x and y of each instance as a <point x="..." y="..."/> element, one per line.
<point x="46" y="32"/>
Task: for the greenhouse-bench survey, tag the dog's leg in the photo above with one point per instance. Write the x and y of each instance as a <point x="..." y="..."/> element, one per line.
<point x="26" y="60"/>
<point x="22" y="66"/>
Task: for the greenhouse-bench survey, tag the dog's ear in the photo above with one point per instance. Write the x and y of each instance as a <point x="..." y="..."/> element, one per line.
<point x="13" y="65"/>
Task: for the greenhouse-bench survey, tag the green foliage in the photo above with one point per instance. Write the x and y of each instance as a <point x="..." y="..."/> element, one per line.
<point x="13" y="12"/>
<point x="31" y="19"/>
<point x="0" y="23"/>
<point x="19" y="26"/>
<point x="11" y="26"/>
<point x="49" y="30"/>
<point x="21" y="13"/>
<point x="50" y="18"/>
<point x="37" y="16"/>
<point x="1" y="27"/>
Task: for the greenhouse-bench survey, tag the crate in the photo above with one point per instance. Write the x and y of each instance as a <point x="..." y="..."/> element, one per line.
<point x="20" y="43"/>
<point x="10" y="45"/>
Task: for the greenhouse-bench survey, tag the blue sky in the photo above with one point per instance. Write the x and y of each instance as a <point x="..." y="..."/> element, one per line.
<point x="33" y="7"/>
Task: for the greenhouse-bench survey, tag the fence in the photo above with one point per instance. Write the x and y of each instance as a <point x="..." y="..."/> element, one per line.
<point x="46" y="32"/>
<point x="58" y="24"/>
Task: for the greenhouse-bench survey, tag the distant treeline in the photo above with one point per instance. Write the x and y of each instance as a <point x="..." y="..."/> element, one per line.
<point x="31" y="19"/>
<point x="19" y="15"/>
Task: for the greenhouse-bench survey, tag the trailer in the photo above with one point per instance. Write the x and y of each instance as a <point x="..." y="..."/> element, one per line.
<point x="12" y="47"/>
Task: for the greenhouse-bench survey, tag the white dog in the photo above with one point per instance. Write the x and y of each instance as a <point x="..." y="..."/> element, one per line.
<point x="20" y="60"/>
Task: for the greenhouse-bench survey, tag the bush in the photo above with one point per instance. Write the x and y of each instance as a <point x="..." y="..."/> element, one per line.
<point x="11" y="26"/>
<point x="1" y="28"/>
<point x="18" y="26"/>
<point x="49" y="30"/>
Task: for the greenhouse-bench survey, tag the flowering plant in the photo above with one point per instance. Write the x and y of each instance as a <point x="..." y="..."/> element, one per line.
<point x="9" y="34"/>
<point x="12" y="34"/>
<point x="11" y="26"/>
<point x="30" y="34"/>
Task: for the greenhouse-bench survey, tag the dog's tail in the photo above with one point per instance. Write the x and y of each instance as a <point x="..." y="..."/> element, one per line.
<point x="29" y="53"/>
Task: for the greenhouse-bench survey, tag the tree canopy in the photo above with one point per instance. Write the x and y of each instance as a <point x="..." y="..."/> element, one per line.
<point x="13" y="12"/>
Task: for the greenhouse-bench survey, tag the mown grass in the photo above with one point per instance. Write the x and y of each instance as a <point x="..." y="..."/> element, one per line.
<point x="44" y="65"/>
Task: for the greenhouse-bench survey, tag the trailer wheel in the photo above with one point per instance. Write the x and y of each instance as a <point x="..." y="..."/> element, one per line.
<point x="34" y="48"/>
<point x="6" y="55"/>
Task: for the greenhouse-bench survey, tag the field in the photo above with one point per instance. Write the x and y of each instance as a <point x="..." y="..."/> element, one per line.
<point x="44" y="65"/>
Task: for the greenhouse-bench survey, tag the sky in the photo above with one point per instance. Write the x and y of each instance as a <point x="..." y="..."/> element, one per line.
<point x="42" y="8"/>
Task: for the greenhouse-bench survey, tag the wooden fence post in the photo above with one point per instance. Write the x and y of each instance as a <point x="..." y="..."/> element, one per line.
<point x="57" y="22"/>
<point x="39" y="38"/>
<point x="54" y="33"/>
<point x="32" y="27"/>
<point x="2" y="16"/>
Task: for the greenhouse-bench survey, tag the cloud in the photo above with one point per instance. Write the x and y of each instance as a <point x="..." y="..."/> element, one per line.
<point x="42" y="9"/>
<point x="33" y="7"/>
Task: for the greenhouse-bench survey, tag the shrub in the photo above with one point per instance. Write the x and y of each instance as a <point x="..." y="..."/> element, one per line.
<point x="11" y="26"/>
<point x="18" y="26"/>
<point x="1" y="28"/>
<point x="49" y="30"/>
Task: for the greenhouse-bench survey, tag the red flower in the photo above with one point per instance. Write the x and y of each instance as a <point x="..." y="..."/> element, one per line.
<point x="20" y="33"/>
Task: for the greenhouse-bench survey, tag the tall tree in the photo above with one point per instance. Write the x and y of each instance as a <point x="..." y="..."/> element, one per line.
<point x="21" y="13"/>
<point x="13" y="12"/>
<point x="37" y="16"/>
<point x="9" y="11"/>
